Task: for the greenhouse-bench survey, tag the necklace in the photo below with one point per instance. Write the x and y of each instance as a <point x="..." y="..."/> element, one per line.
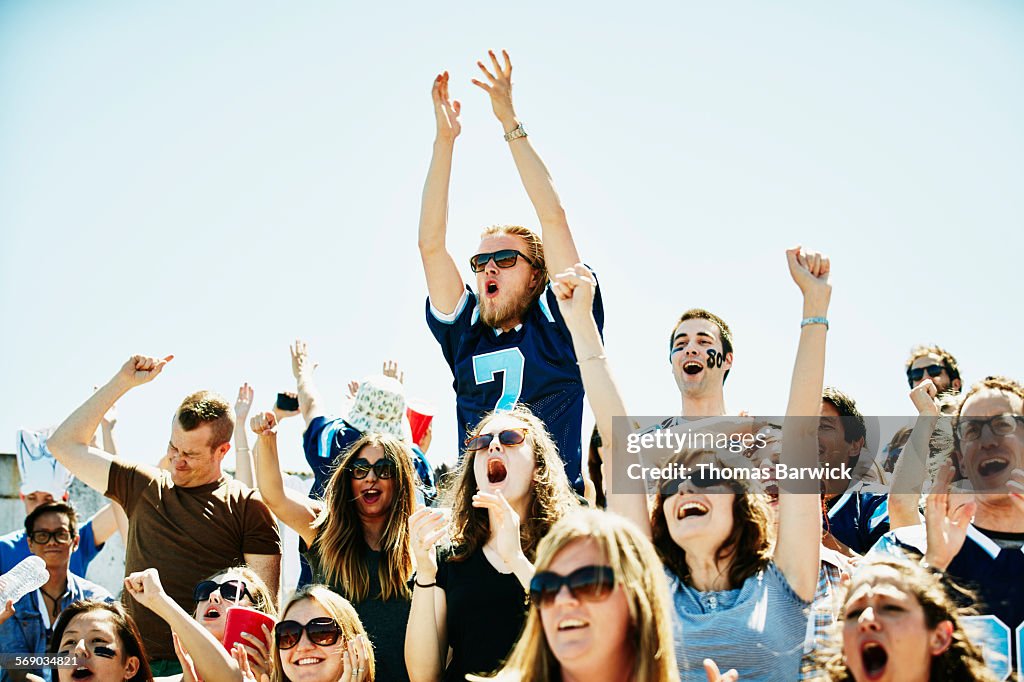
<point x="55" y="600"/>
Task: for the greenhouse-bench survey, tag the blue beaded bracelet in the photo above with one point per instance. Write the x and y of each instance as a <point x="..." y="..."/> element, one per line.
<point x="814" y="320"/>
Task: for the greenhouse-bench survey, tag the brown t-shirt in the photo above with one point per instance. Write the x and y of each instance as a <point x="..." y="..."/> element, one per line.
<point x="187" y="534"/>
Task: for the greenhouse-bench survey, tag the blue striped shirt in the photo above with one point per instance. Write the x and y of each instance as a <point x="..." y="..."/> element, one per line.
<point x="732" y="628"/>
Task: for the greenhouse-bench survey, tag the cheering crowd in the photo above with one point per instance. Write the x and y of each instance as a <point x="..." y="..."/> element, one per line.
<point x="523" y="564"/>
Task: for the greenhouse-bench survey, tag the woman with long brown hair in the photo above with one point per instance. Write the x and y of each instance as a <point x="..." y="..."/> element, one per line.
<point x="901" y="623"/>
<point x="728" y="574"/>
<point x="510" y="489"/>
<point x="358" y="536"/>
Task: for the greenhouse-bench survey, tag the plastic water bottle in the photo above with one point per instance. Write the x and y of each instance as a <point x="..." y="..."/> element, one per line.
<point x="30" y="574"/>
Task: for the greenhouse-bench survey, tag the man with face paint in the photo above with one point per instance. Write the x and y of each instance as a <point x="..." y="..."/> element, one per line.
<point x="700" y="352"/>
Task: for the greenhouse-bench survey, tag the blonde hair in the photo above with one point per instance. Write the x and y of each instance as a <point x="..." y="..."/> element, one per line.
<point x="551" y="496"/>
<point x="638" y="573"/>
<point x="262" y="598"/>
<point x="534" y="251"/>
<point x="341" y="545"/>
<point x="338" y="608"/>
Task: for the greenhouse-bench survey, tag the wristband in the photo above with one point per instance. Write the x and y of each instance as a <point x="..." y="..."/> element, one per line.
<point x="814" y="320"/>
<point x="419" y="584"/>
<point x="515" y="133"/>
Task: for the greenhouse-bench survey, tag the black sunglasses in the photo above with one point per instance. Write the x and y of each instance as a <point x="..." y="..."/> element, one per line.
<point x="382" y="468"/>
<point x="506" y="437"/>
<point x="917" y="373"/>
<point x="321" y="631"/>
<point x="506" y="258"/>
<point x="590" y="583"/>
<point x="230" y="590"/>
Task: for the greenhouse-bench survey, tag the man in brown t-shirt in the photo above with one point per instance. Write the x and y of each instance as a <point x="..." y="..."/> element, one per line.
<point x="188" y="523"/>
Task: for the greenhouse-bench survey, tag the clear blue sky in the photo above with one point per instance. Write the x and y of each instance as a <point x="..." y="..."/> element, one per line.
<point x="213" y="180"/>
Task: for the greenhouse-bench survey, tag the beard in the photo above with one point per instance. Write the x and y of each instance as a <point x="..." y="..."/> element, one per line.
<point x="501" y="315"/>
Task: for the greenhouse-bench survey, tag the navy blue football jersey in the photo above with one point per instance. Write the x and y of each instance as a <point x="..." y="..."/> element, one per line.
<point x="859" y="520"/>
<point x="996" y="575"/>
<point x="533" y="365"/>
<point x="323" y="442"/>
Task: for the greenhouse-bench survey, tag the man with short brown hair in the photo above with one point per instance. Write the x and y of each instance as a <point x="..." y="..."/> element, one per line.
<point x="700" y="352"/>
<point x="189" y="523"/>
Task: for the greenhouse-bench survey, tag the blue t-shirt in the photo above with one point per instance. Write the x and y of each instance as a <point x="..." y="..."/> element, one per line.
<point x="323" y="442"/>
<point x="533" y="365"/>
<point x="14" y="548"/>
<point x="758" y="629"/>
<point x="27" y="632"/>
<point x="996" y="575"/>
<point x="859" y="520"/>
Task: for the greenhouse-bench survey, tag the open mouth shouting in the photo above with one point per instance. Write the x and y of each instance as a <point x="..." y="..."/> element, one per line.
<point x="212" y="613"/>
<point x="82" y="673"/>
<point x="691" y="508"/>
<point x="692" y="367"/>
<point x="491" y="288"/>
<point x="992" y="466"/>
<point x="875" y="658"/>
<point x="371" y="495"/>
<point x="497" y="471"/>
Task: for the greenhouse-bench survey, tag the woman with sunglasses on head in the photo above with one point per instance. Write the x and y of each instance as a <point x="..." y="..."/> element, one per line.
<point x="901" y="624"/>
<point x="358" y="536"/>
<point x="105" y="641"/>
<point x="727" y="572"/>
<point x="510" y="489"/>
<point x="239" y="586"/>
<point x="601" y="608"/>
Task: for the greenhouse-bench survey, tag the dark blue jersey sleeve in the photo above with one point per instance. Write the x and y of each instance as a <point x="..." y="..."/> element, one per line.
<point x="449" y="329"/>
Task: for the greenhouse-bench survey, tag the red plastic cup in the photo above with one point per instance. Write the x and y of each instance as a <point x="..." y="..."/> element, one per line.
<point x="420" y="415"/>
<point x="243" y="619"/>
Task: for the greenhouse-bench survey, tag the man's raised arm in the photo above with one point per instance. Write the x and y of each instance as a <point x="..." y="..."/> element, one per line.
<point x="444" y="283"/>
<point x="559" y="247"/>
<point x="70" y="442"/>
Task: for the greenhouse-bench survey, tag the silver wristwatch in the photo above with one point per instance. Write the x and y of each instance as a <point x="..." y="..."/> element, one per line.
<point x="515" y="133"/>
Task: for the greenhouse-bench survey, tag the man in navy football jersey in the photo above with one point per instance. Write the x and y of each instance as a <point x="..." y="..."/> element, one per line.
<point x="506" y="342"/>
<point x="986" y="554"/>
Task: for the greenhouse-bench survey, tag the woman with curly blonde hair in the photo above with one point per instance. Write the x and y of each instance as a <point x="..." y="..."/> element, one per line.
<point x="901" y="623"/>
<point x="473" y="598"/>
<point x="601" y="608"/>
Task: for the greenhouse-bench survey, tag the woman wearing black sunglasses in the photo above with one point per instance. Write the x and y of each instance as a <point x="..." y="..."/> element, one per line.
<point x="601" y="608"/>
<point x="510" y="489"/>
<point x="320" y="639"/>
<point x="727" y="572"/>
<point x="239" y="586"/>
<point x="358" y="536"/>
